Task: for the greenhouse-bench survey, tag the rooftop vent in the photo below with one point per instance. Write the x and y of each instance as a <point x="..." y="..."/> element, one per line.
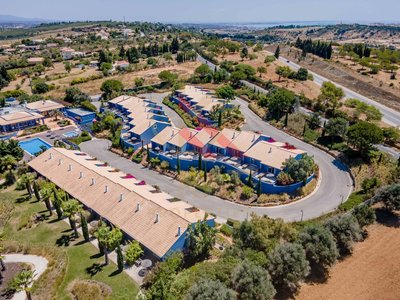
<point x="179" y="231"/>
<point x="93" y="181"/>
<point x="70" y="168"/>
<point x="59" y="161"/>
<point x="106" y="189"/>
<point x="157" y="218"/>
<point x="121" y="197"/>
<point x="51" y="156"/>
<point x="137" y="207"/>
<point x="80" y="175"/>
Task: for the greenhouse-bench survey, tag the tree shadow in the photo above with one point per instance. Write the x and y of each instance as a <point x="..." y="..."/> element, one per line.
<point x="95" y="256"/>
<point x="52" y="221"/>
<point x="22" y="199"/>
<point x="80" y="243"/>
<point x="66" y="230"/>
<point x="387" y="218"/>
<point x="64" y="240"/>
<point x="94" y="269"/>
<point x="317" y="275"/>
<point x="116" y="272"/>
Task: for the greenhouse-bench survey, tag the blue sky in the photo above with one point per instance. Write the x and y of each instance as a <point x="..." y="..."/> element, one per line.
<point x="207" y="10"/>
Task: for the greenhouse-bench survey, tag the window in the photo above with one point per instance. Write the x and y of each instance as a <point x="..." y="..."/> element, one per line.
<point x="155" y="126"/>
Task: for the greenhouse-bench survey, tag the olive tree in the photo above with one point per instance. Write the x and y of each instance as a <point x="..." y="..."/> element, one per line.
<point x="390" y="195"/>
<point x="288" y="266"/>
<point x="252" y="282"/>
<point x="209" y="289"/>
<point x="320" y="247"/>
<point x="346" y="231"/>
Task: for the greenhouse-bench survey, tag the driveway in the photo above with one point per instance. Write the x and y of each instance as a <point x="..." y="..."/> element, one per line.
<point x="335" y="186"/>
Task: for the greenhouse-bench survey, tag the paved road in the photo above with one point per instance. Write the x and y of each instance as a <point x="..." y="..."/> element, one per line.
<point x="326" y="199"/>
<point x="390" y="116"/>
<point x="158" y="98"/>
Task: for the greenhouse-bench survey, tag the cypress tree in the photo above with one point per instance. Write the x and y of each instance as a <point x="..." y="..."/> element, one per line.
<point x="36" y="190"/>
<point x="205" y="173"/>
<point x="57" y="203"/>
<point x="178" y="164"/>
<point x="277" y="52"/>
<point x="250" y="179"/>
<point x="148" y="153"/>
<point x="120" y="258"/>
<point x="220" y="119"/>
<point x="259" y="187"/>
<point x="85" y="229"/>
<point x="199" y="163"/>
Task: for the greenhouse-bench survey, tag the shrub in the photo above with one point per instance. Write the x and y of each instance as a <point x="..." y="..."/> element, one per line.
<point x="346" y="231"/>
<point x="89" y="289"/>
<point x="247" y="192"/>
<point x="390" y="195"/>
<point x="364" y="214"/>
<point x="209" y="289"/>
<point x="226" y="230"/>
<point x="205" y="188"/>
<point x="133" y="252"/>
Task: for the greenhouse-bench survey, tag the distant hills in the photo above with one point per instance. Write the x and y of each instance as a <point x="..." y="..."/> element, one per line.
<point x="9" y="19"/>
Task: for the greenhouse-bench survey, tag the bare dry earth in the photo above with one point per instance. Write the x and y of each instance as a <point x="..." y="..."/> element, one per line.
<point x="348" y="78"/>
<point x="372" y="272"/>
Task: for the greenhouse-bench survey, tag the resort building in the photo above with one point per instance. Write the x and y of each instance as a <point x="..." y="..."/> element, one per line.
<point x="160" y="141"/>
<point x="199" y="143"/>
<point x="269" y="157"/>
<point x="198" y="102"/>
<point x="80" y="115"/>
<point x="143" y="119"/>
<point x="222" y="140"/>
<point x="154" y="219"/>
<point x="45" y="107"/>
<point x="17" y="120"/>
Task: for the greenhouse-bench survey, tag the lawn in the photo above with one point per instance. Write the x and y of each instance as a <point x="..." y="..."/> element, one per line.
<point x="82" y="260"/>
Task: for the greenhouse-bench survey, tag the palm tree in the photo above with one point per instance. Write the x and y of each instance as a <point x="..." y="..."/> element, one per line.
<point x="46" y="193"/>
<point x="201" y="239"/>
<point x="3" y="266"/>
<point x="109" y="239"/>
<point x="27" y="179"/>
<point x="23" y="282"/>
<point x="70" y="209"/>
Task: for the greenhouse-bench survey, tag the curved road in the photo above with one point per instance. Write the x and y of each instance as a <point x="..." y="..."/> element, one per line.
<point x="335" y="187"/>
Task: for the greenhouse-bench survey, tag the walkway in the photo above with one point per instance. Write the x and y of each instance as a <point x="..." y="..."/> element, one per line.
<point x="39" y="266"/>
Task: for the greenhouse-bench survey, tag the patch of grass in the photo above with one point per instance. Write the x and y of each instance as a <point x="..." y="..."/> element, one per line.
<point x="205" y="188"/>
<point x="354" y="200"/>
<point x="226" y="230"/>
<point x="79" y="258"/>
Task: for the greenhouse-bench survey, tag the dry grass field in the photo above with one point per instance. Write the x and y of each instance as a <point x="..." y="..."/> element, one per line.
<point x="372" y="272"/>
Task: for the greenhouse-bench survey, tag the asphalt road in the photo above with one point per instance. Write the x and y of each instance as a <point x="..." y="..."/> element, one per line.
<point x="390" y="116"/>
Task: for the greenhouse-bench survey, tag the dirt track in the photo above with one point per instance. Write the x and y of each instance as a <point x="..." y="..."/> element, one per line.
<point x="372" y="272"/>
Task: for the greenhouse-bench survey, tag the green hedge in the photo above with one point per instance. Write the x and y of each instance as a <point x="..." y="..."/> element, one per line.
<point x="189" y="121"/>
<point x="226" y="230"/>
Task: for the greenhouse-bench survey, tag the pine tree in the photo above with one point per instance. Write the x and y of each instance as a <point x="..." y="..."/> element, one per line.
<point x="85" y="229"/>
<point x="277" y="52"/>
